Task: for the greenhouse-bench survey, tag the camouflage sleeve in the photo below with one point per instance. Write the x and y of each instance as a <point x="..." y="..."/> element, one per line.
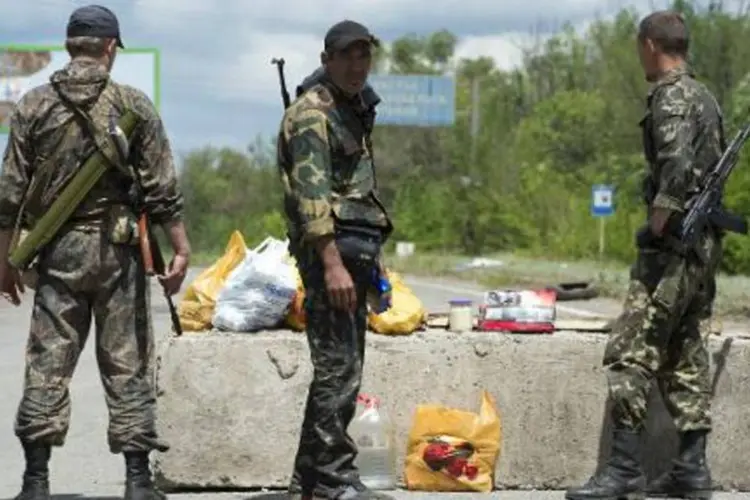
<point x="16" y="173"/>
<point x="152" y="157"/>
<point x="673" y="131"/>
<point x="310" y="176"/>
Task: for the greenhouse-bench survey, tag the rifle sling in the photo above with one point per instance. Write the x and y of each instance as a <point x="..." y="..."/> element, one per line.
<point x="95" y="132"/>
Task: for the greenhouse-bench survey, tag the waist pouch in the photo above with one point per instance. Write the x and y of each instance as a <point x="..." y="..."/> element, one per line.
<point x="358" y="243"/>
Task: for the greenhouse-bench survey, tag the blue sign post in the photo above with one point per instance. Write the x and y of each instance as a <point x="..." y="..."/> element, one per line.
<point x="602" y="206"/>
<point x="415" y="100"/>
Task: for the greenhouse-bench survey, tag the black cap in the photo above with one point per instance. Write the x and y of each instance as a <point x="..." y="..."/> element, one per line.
<point x="94" y="20"/>
<point x="343" y="34"/>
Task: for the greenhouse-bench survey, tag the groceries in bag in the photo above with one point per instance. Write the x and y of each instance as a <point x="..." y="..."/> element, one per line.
<point x="258" y="292"/>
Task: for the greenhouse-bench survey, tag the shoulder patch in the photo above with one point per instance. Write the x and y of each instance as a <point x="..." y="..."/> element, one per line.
<point x="319" y="97"/>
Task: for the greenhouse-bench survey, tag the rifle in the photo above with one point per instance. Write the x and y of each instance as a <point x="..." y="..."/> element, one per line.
<point x="66" y="201"/>
<point x="707" y="207"/>
<point x="282" y="80"/>
<point x="153" y="260"/>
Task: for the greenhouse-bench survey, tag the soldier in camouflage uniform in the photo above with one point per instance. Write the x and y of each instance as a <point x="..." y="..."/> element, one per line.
<point x="326" y="167"/>
<point x="93" y="266"/>
<point x="672" y="289"/>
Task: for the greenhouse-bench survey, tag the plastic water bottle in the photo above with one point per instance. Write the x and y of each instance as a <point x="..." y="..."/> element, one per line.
<point x="379" y="294"/>
<point x="370" y="430"/>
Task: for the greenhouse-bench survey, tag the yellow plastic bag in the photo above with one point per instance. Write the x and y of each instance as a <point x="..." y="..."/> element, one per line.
<point x="295" y="317"/>
<point x="406" y="314"/>
<point x="197" y="306"/>
<point x="453" y="450"/>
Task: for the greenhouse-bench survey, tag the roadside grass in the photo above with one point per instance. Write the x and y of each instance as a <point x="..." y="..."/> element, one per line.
<point x="611" y="278"/>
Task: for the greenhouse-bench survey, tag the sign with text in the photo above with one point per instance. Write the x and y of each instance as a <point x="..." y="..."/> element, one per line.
<point x="602" y="204"/>
<point x="23" y="67"/>
<point x="415" y="100"/>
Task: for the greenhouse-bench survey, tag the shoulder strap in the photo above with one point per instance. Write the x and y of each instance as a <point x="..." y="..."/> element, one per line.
<point x="97" y="135"/>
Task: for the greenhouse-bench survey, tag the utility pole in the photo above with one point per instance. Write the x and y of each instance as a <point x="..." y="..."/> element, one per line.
<point x="474" y="119"/>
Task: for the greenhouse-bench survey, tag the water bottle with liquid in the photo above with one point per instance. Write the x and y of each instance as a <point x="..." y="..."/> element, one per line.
<point x="372" y="433"/>
<point x="379" y="293"/>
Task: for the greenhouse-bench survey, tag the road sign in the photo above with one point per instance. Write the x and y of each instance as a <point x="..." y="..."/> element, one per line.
<point x="415" y="100"/>
<point x="602" y="204"/>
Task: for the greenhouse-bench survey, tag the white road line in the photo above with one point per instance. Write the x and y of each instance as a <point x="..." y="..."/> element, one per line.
<point x="476" y="293"/>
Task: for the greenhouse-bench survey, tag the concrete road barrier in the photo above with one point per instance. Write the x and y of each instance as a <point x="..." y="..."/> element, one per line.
<point x="231" y="405"/>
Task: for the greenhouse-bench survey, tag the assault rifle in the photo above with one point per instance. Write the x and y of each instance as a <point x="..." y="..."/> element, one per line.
<point x="282" y="80"/>
<point x="153" y="260"/>
<point x="707" y="208"/>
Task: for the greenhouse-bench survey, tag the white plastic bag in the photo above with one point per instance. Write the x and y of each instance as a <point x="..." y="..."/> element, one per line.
<point x="258" y="292"/>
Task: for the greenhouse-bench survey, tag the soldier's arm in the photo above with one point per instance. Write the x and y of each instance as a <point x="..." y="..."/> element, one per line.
<point x="674" y="131"/>
<point x="310" y="181"/>
<point x="153" y="158"/>
<point x="14" y="178"/>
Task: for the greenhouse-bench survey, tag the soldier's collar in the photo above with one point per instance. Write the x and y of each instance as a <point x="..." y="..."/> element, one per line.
<point x="670" y="76"/>
<point x="339" y="95"/>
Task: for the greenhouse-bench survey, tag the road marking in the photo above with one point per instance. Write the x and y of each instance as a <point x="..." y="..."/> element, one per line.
<point x="575" y="311"/>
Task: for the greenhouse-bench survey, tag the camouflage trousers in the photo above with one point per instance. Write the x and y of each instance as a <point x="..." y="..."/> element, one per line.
<point x="660" y="338"/>
<point x="82" y="275"/>
<point x="326" y="453"/>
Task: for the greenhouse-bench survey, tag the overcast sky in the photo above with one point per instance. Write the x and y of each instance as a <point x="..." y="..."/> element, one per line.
<point x="217" y="84"/>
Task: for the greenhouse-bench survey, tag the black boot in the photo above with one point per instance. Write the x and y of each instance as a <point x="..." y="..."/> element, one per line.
<point x="138" y="482"/>
<point x="690" y="476"/>
<point x="621" y="478"/>
<point x="36" y="476"/>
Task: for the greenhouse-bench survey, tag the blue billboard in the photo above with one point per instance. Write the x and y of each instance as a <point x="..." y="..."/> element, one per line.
<point x="415" y="100"/>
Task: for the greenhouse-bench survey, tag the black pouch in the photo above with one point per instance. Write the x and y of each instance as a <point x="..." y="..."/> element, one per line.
<point x="358" y="243"/>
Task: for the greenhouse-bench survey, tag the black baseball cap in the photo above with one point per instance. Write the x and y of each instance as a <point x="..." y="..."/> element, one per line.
<point x="344" y="33"/>
<point x="94" y="20"/>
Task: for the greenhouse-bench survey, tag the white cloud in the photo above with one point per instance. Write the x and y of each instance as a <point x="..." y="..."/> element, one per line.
<point x="506" y="50"/>
<point x="216" y="70"/>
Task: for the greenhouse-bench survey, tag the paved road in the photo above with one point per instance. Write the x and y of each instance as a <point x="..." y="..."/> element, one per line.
<point x="84" y="467"/>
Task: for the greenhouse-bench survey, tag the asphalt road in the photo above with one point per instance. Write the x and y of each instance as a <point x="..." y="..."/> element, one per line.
<point x="85" y="469"/>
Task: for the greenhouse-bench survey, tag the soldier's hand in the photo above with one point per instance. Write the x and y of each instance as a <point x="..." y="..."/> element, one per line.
<point x="340" y="288"/>
<point x="172" y="280"/>
<point x="12" y="285"/>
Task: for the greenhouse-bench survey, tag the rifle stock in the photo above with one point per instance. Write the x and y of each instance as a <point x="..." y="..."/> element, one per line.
<point x="154" y="265"/>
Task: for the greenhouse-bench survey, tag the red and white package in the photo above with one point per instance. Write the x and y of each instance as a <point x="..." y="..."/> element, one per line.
<point x="518" y="311"/>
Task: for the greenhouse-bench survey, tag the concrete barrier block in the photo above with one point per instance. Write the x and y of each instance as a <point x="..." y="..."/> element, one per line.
<point x="231" y="405"/>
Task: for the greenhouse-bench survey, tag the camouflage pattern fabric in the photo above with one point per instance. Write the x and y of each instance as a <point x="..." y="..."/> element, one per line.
<point x="328" y="176"/>
<point x="92" y="267"/>
<point x="661" y="332"/>
<point x="325" y="457"/>
<point x="43" y="134"/>
<point x="83" y="275"/>
<point x="326" y="167"/>
<point x="682" y="138"/>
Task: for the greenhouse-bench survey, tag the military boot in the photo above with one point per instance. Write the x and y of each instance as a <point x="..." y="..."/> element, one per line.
<point x="689" y="476"/>
<point x="138" y="482"/>
<point x="36" y="476"/>
<point x="621" y="478"/>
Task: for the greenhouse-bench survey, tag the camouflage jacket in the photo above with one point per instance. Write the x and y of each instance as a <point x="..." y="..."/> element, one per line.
<point x="683" y="137"/>
<point x="326" y="165"/>
<point x="45" y="137"/>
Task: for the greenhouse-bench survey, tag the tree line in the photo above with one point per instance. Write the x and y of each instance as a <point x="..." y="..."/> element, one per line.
<point x="565" y="119"/>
